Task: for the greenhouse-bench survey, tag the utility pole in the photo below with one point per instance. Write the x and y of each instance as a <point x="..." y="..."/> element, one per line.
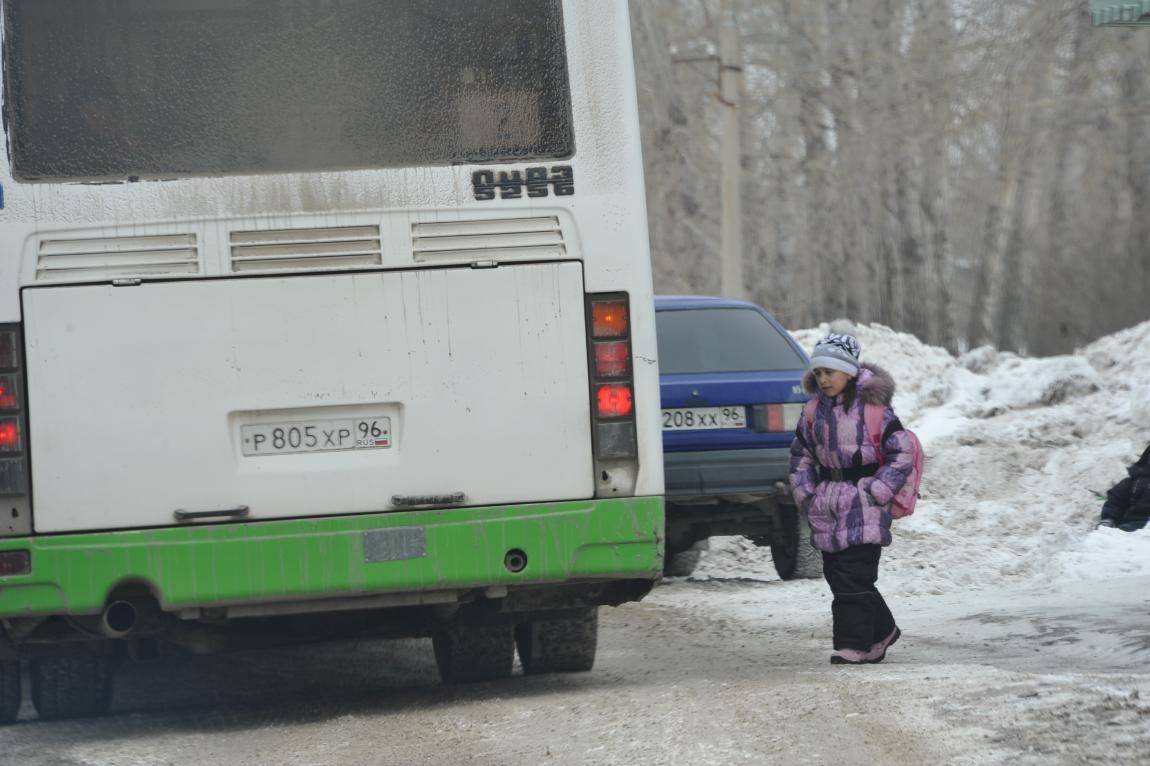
<point x="730" y="61"/>
<point x="730" y="100"/>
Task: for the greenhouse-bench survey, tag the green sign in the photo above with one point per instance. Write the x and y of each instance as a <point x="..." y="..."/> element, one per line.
<point x="1116" y="13"/>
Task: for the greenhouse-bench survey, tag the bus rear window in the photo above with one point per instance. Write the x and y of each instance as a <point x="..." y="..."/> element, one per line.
<point x="115" y="89"/>
<point x="722" y="340"/>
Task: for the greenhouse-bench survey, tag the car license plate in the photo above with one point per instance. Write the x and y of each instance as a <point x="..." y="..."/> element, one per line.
<point x="699" y="418"/>
<point x="328" y="435"/>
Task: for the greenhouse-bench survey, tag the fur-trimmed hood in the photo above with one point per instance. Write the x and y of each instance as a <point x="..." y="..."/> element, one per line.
<point x="875" y="385"/>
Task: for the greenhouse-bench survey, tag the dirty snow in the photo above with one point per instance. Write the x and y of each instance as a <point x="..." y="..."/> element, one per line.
<point x="1017" y="451"/>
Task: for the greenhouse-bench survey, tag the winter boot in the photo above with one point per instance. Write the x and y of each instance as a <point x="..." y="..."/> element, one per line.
<point x="849" y="657"/>
<point x="877" y="652"/>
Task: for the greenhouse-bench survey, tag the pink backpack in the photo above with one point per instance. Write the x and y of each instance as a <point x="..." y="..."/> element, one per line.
<point x="902" y="504"/>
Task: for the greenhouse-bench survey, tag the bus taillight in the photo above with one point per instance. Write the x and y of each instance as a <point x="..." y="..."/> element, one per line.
<point x="614" y="401"/>
<point x="609" y="318"/>
<point x="10" y="440"/>
<point x="612" y="389"/>
<point x="8" y="349"/>
<point x="8" y="398"/>
<point x="13" y="425"/>
<point x="612" y="359"/>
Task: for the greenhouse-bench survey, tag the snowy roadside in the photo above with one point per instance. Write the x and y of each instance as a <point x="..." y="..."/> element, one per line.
<point x="1026" y="629"/>
<point x="1046" y="674"/>
<point x="1016" y="450"/>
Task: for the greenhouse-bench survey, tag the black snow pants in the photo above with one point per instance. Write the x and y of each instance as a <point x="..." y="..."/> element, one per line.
<point x="861" y="616"/>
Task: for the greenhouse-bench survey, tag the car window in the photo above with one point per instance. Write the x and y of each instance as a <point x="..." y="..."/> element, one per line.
<point x="722" y="340"/>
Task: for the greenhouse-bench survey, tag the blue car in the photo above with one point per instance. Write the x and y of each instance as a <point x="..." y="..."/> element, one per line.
<point x="731" y="383"/>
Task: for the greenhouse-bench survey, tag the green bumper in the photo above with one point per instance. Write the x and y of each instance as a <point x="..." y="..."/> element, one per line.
<point x="269" y="561"/>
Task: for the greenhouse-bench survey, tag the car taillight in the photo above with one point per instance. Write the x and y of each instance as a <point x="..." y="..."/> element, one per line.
<point x="15" y="505"/>
<point x="775" y="418"/>
<point x="612" y="386"/>
<point x="791" y="414"/>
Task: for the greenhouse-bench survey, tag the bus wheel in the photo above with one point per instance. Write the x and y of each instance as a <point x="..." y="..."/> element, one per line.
<point x="9" y="690"/>
<point x="474" y="653"/>
<point x="559" y="646"/>
<point x="71" y="687"/>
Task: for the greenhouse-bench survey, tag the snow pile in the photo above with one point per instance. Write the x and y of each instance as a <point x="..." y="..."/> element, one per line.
<point x="1108" y="553"/>
<point x="734" y="558"/>
<point x="1121" y="359"/>
<point x="1017" y="449"/>
<point x="924" y="374"/>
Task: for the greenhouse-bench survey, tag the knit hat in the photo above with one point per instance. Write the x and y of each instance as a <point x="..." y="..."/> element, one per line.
<point x="837" y="352"/>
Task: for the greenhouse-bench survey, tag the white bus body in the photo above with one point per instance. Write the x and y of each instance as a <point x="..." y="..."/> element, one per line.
<point x="172" y="322"/>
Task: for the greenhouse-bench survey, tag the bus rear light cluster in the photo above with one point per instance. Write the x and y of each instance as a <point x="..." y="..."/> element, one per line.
<point x="612" y="387"/>
<point x="13" y="444"/>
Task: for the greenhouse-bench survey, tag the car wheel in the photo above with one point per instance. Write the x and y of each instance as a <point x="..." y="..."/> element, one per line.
<point x="683" y="563"/>
<point x="9" y="690"/>
<point x="71" y="687"/>
<point x="791" y="551"/>
<point x="559" y="646"/>
<point x="474" y="653"/>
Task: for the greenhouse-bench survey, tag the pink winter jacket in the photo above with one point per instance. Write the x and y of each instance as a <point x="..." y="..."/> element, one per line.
<point x="845" y="513"/>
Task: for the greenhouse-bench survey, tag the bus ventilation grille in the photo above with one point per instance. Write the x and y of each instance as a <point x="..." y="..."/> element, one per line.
<point x="116" y="257"/>
<point x="345" y="247"/>
<point x="491" y="239"/>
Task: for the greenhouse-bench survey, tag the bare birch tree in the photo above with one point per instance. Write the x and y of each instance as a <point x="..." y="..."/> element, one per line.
<point x="972" y="172"/>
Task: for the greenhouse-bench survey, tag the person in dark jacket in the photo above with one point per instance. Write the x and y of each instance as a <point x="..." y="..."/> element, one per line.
<point x="1127" y="505"/>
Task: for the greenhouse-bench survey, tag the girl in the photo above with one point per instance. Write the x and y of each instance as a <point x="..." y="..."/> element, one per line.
<point x="845" y="487"/>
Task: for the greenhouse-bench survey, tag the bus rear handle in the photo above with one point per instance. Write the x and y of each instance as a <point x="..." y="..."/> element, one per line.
<point x="229" y="513"/>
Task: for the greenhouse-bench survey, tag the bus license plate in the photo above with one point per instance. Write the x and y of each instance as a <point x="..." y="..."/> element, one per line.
<point x="699" y="418"/>
<point x="329" y="435"/>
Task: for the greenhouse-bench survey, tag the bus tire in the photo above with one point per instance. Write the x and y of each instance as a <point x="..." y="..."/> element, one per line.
<point x="474" y="653"/>
<point x="9" y="690"/>
<point x="71" y="687"/>
<point x="559" y="646"/>
<point x="791" y="550"/>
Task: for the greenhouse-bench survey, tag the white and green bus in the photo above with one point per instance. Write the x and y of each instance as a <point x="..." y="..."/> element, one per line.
<point x="320" y="318"/>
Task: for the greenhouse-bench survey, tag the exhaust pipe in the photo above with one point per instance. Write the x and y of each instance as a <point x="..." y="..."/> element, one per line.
<point x="143" y="618"/>
<point x="119" y="619"/>
<point x="515" y="561"/>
